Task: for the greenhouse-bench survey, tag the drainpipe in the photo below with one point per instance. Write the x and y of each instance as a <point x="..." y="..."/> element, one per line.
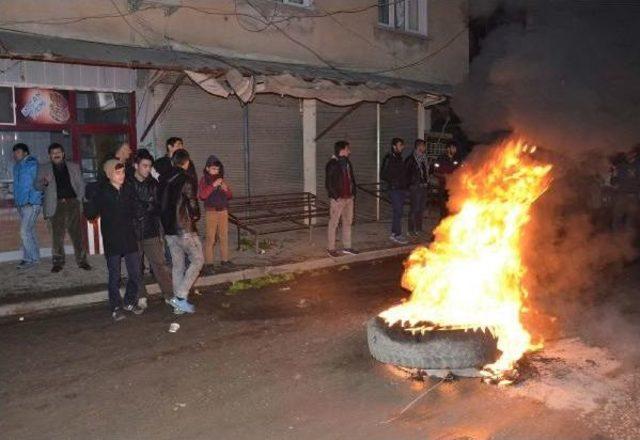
<point x="247" y="150"/>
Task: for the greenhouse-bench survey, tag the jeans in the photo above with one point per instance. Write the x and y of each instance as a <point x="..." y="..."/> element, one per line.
<point x="67" y="220"/>
<point x="418" y="197"/>
<point x="153" y="248"/>
<point x="340" y="209"/>
<point x="28" y="218"/>
<point x="132" y="262"/>
<point x="180" y="246"/>
<point x="398" y="197"/>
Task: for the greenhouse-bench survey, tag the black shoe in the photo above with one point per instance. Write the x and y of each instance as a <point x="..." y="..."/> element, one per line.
<point x="350" y="251"/>
<point x="135" y="309"/>
<point x="226" y="263"/>
<point x="117" y="315"/>
<point x="56" y="268"/>
<point x="85" y="266"/>
<point x="333" y="253"/>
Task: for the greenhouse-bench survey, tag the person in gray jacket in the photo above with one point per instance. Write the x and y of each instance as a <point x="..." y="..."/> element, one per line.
<point x="63" y="187"/>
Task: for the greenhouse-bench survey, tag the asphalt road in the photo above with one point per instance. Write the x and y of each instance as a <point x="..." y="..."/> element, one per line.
<point x="283" y="362"/>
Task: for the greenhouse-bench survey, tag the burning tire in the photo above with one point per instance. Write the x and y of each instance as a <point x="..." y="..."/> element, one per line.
<point x="434" y="350"/>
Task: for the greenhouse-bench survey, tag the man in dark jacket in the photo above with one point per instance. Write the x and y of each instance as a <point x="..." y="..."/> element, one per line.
<point x="179" y="214"/>
<point x="147" y="226"/>
<point x="340" y="183"/>
<point x="174" y="144"/>
<point x="114" y="204"/>
<point x="418" y="178"/>
<point x="394" y="173"/>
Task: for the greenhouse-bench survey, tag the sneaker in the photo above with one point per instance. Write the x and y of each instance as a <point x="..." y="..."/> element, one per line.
<point x="333" y="253"/>
<point x="398" y="239"/>
<point x="85" y="266"/>
<point x="56" y="268"/>
<point x="350" y="251"/>
<point x="26" y="264"/>
<point x="142" y="303"/>
<point x="226" y="264"/>
<point x="117" y="315"/>
<point x="182" y="305"/>
<point x="135" y="309"/>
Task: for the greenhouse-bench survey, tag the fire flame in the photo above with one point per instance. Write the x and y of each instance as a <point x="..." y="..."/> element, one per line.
<point x="471" y="276"/>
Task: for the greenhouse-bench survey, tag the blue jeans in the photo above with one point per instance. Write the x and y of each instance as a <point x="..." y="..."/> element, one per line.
<point x="28" y="218"/>
<point x="181" y="246"/>
<point x="398" y="197"/>
<point x="132" y="261"/>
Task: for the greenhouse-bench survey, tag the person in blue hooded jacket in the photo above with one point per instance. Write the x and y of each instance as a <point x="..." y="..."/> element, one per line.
<point x="28" y="201"/>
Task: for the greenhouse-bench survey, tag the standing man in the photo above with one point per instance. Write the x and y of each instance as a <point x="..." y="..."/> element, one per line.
<point x="418" y="177"/>
<point x="28" y="201"/>
<point x="179" y="214"/>
<point x="394" y="173"/>
<point x="174" y="144"/>
<point x="114" y="204"/>
<point x="63" y="188"/>
<point x="147" y="226"/>
<point x="340" y="183"/>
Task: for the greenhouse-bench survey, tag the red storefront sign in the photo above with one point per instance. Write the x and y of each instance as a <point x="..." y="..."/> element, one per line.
<point x="42" y="106"/>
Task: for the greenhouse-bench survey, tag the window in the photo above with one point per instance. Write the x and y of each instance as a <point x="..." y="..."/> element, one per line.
<point x="103" y="108"/>
<point x="404" y="15"/>
<point x="7" y="106"/>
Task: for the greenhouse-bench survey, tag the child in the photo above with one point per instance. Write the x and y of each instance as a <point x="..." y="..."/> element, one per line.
<point x="215" y="193"/>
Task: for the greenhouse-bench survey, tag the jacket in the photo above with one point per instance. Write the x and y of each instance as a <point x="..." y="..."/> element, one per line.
<point x="116" y="210"/>
<point x="415" y="178"/>
<point x="333" y="178"/>
<point x="179" y="210"/>
<point x="215" y="198"/>
<point x="25" y="173"/>
<point x="393" y="170"/>
<point x="147" y="207"/>
<point x="50" y="202"/>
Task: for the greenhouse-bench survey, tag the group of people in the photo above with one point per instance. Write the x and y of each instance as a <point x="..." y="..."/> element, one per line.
<point x="405" y="176"/>
<point x="145" y="208"/>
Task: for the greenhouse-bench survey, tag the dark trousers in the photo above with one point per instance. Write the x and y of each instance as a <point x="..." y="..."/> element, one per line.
<point x="132" y="262"/>
<point x="418" y="198"/>
<point x="67" y="220"/>
<point x="153" y="249"/>
<point x="398" y="197"/>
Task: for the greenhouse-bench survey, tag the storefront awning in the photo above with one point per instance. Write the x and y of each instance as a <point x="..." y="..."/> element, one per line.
<point x="222" y="76"/>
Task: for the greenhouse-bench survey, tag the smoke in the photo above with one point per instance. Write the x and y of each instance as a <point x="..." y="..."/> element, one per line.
<point x="564" y="75"/>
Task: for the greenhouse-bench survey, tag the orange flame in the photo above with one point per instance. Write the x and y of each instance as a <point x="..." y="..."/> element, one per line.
<point x="471" y="275"/>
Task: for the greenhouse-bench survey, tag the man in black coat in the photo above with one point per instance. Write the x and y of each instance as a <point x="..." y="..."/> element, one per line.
<point x="147" y="226"/>
<point x="394" y="173"/>
<point x="418" y="177"/>
<point x="341" y="189"/>
<point x="114" y="204"/>
<point x="179" y="214"/>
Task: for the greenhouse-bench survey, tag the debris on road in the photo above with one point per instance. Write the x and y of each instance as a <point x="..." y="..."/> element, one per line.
<point x="174" y="327"/>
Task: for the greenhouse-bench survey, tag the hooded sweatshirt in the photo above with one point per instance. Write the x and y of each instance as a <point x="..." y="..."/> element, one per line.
<point x="215" y="198"/>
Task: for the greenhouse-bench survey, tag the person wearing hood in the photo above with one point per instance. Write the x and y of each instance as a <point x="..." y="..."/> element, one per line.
<point x="418" y="176"/>
<point x="394" y="173"/>
<point x="122" y="153"/>
<point x="340" y="183"/>
<point x="28" y="201"/>
<point x="215" y="193"/>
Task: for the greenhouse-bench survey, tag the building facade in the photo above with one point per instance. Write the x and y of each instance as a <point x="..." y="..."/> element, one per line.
<point x="267" y="86"/>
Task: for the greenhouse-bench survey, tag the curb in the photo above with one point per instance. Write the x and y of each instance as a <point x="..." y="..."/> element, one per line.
<point x="86" y="299"/>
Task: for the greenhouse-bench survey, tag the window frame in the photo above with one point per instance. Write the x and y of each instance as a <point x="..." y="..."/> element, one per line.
<point x="423" y="15"/>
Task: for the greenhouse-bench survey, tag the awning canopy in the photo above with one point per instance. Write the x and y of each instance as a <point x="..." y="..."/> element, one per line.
<point x="221" y="75"/>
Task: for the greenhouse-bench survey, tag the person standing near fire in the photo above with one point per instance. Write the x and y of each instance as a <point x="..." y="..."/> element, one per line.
<point x="418" y="175"/>
<point x="340" y="183"/>
<point x="215" y="193"/>
<point x="394" y="173"/>
<point x="63" y="187"/>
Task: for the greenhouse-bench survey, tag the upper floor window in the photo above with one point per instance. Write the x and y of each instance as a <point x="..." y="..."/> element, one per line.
<point x="305" y="3"/>
<point x="404" y="15"/>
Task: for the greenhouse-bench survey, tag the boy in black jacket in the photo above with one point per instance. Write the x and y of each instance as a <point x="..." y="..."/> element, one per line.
<point x="341" y="188"/>
<point x="394" y="173"/>
<point x="114" y="204"/>
<point x="418" y="179"/>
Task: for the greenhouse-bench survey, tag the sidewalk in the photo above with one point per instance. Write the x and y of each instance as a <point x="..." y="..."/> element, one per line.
<point x="279" y="249"/>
